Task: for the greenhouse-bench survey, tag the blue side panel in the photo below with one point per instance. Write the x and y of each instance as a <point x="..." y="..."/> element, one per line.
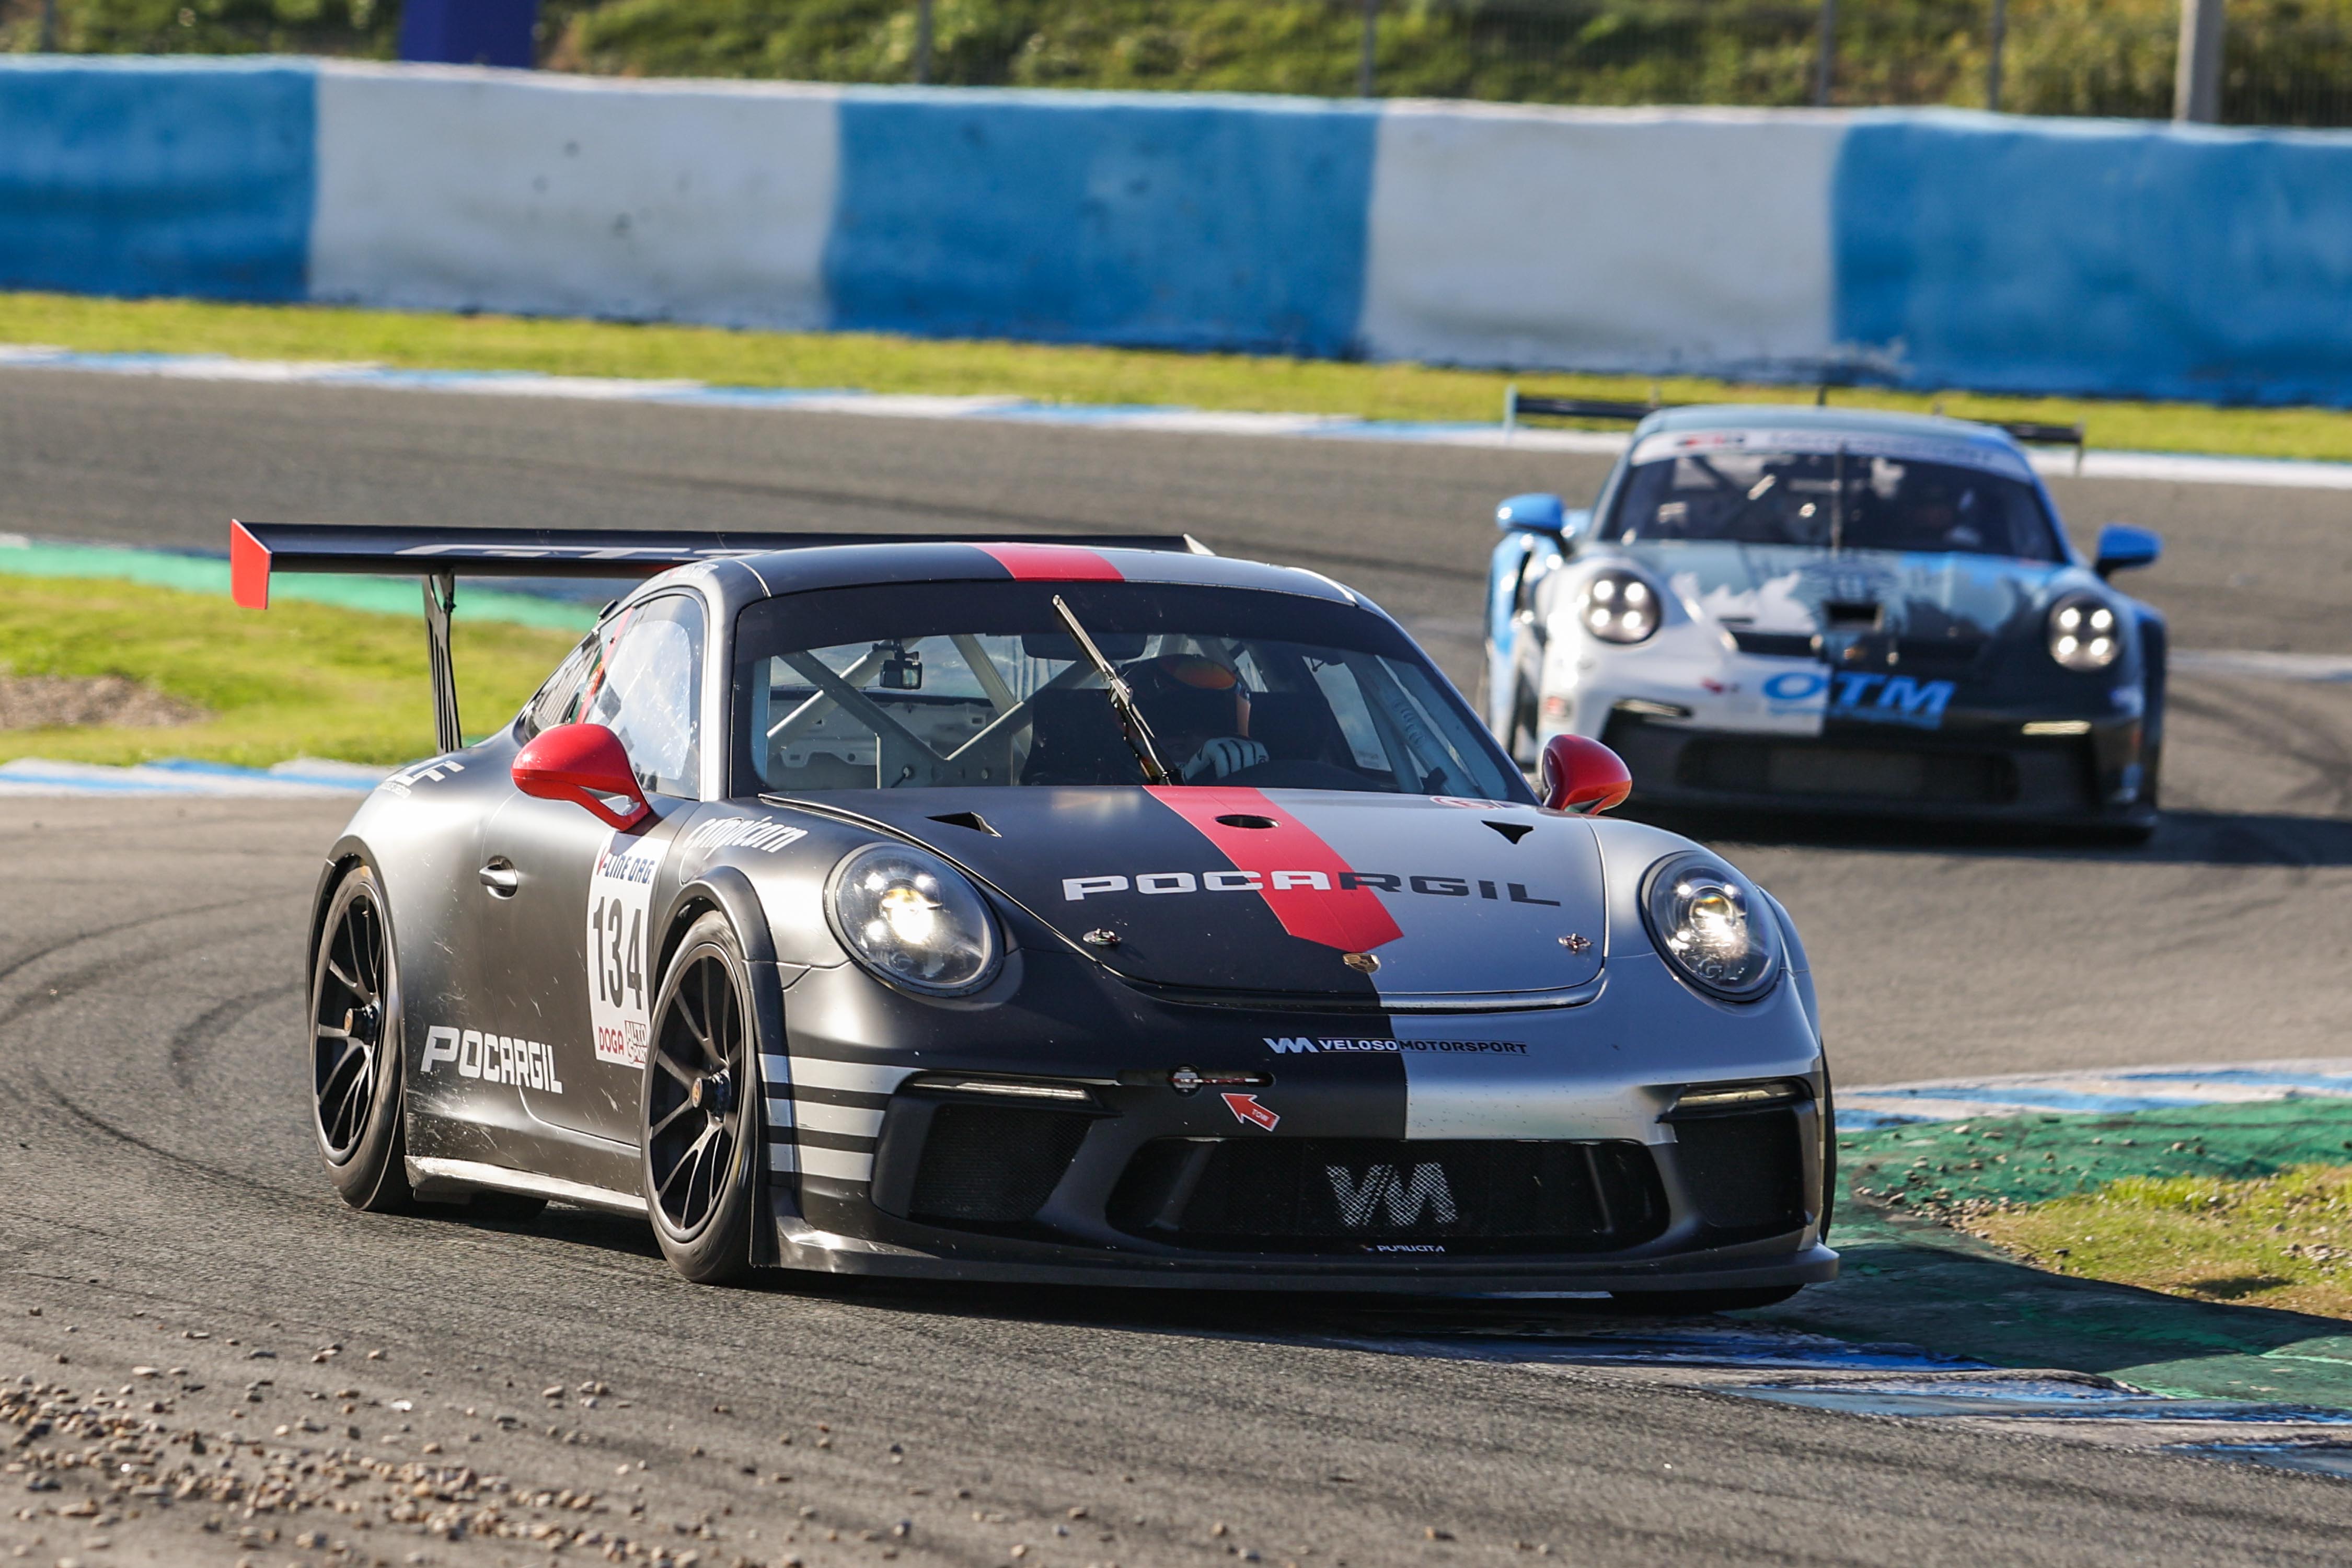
<point x="2097" y="258"/>
<point x="156" y="177"/>
<point x="1087" y="218"/>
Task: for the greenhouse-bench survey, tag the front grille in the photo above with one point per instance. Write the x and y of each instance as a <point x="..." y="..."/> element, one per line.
<point x="992" y="1165"/>
<point x="1741" y="767"/>
<point x="1354" y="1194"/>
<point x="1746" y="1172"/>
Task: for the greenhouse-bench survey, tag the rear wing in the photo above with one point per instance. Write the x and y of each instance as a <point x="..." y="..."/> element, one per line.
<point x="258" y="551"/>
<point x="1518" y="405"/>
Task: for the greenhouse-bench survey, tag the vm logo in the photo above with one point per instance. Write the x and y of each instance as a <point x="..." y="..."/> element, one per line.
<point x="1406" y="1199"/>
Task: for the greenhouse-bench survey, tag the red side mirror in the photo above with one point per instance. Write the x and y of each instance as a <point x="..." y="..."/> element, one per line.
<point x="582" y="762"/>
<point x="1583" y="776"/>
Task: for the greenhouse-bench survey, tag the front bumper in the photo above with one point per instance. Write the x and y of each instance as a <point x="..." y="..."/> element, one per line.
<point x="1496" y="1151"/>
<point x="1985" y="770"/>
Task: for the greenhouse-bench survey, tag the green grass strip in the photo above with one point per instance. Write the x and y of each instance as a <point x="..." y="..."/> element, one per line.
<point x="1051" y="373"/>
<point x="206" y="574"/>
<point x="302" y="678"/>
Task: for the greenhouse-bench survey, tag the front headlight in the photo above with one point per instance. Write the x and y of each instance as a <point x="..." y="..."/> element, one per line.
<point x="913" y="918"/>
<point x="1618" y="607"/>
<point x="2084" y="633"/>
<point x="1713" y="925"/>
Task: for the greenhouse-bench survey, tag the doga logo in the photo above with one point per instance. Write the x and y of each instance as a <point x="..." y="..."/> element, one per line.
<point x="493" y="1058"/>
<point x="1405" y="1199"/>
<point x="743" y="833"/>
<point x="434" y="772"/>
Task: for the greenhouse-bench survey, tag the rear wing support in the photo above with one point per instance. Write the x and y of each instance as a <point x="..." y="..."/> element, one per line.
<point x="440" y="602"/>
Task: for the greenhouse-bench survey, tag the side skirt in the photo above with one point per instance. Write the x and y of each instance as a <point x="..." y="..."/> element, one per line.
<point x="434" y="1178"/>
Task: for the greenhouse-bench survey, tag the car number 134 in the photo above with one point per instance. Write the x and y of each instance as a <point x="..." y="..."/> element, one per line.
<point x="620" y="893"/>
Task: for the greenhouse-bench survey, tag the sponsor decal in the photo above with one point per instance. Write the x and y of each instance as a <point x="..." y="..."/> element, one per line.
<point x="493" y="1058"/>
<point x="1402" y="1200"/>
<point x="434" y="772"/>
<point x="1889" y="700"/>
<point x="1303" y="882"/>
<point x="1301" y="1045"/>
<point x="1246" y="1107"/>
<point x="1191" y="1081"/>
<point x="620" y="899"/>
<point x="743" y="833"/>
<point x="1403" y="1246"/>
<point x="1078" y="889"/>
<point x="1867" y="698"/>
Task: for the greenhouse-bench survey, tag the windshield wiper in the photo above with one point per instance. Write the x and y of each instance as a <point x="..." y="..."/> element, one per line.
<point x="1122" y="701"/>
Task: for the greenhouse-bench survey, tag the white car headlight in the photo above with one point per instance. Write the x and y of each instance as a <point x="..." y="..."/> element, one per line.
<point x="913" y="919"/>
<point x="1713" y="925"/>
<point x="2084" y="633"/>
<point x="1618" y="607"/>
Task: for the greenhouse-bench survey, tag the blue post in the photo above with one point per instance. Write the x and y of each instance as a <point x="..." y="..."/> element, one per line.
<point x="468" y="32"/>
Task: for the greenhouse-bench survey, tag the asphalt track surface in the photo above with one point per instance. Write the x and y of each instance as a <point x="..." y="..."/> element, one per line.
<point x="156" y="1179"/>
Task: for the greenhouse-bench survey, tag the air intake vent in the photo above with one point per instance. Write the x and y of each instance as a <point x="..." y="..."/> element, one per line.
<point x="1360" y="1194"/>
<point x="988" y="1165"/>
<point x="1746" y="1172"/>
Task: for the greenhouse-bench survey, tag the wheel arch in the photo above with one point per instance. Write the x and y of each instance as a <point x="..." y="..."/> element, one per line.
<point x="727" y="892"/>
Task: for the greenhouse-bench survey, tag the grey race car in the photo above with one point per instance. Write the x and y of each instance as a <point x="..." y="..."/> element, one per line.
<point x="1832" y="610"/>
<point x="1053" y="912"/>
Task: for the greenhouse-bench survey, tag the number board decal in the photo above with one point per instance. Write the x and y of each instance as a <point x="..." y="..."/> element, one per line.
<point x="620" y="973"/>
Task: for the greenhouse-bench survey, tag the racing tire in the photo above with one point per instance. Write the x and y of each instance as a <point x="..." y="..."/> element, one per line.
<point x="1697" y="1303"/>
<point x="358" y="1092"/>
<point x="700" y="1127"/>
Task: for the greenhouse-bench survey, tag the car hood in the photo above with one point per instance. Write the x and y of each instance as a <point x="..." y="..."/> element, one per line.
<point x="1789" y="589"/>
<point x="1270" y="892"/>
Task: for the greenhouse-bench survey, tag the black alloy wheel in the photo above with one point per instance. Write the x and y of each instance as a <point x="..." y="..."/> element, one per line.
<point x="701" y="1122"/>
<point x="355" y="1080"/>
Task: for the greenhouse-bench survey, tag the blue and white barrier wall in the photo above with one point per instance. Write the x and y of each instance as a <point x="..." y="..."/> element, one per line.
<point x="1931" y="248"/>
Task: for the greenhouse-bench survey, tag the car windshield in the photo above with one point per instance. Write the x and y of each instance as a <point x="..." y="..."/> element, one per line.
<point x="1848" y="500"/>
<point x="928" y="684"/>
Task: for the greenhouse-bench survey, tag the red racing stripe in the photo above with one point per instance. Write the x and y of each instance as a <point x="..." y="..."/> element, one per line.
<point x="1053" y="564"/>
<point x="1353" y="919"/>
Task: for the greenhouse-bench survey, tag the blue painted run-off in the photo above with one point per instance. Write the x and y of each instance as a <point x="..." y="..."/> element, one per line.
<point x="1195" y="224"/>
<point x="157" y="177"/>
<point x="2098" y="257"/>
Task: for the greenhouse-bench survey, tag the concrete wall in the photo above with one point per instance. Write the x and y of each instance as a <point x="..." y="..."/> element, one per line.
<point x="1930" y="248"/>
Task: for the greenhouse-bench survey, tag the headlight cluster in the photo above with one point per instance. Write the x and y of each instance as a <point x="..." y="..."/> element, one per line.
<point x="1714" y="926"/>
<point x="913" y="918"/>
<point x="1618" y="607"/>
<point x="2084" y="633"/>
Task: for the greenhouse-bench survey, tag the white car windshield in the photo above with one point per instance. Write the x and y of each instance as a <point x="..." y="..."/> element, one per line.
<point x="930" y="685"/>
<point x="1832" y="500"/>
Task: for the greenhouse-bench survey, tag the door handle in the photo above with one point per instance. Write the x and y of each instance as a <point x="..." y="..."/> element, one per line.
<point x="502" y="879"/>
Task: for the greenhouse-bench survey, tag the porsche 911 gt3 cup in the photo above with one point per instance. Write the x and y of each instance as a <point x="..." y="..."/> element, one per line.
<point x="1048" y="912"/>
<point x="1831" y="609"/>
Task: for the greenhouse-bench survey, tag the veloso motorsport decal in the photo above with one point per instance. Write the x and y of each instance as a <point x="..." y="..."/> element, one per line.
<point x="620" y="899"/>
<point x="1076" y="889"/>
<point x="1297" y="1044"/>
<point x="493" y="1058"/>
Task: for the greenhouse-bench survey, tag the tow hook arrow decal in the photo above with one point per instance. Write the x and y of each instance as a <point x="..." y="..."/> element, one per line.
<point x="1246" y="1107"/>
